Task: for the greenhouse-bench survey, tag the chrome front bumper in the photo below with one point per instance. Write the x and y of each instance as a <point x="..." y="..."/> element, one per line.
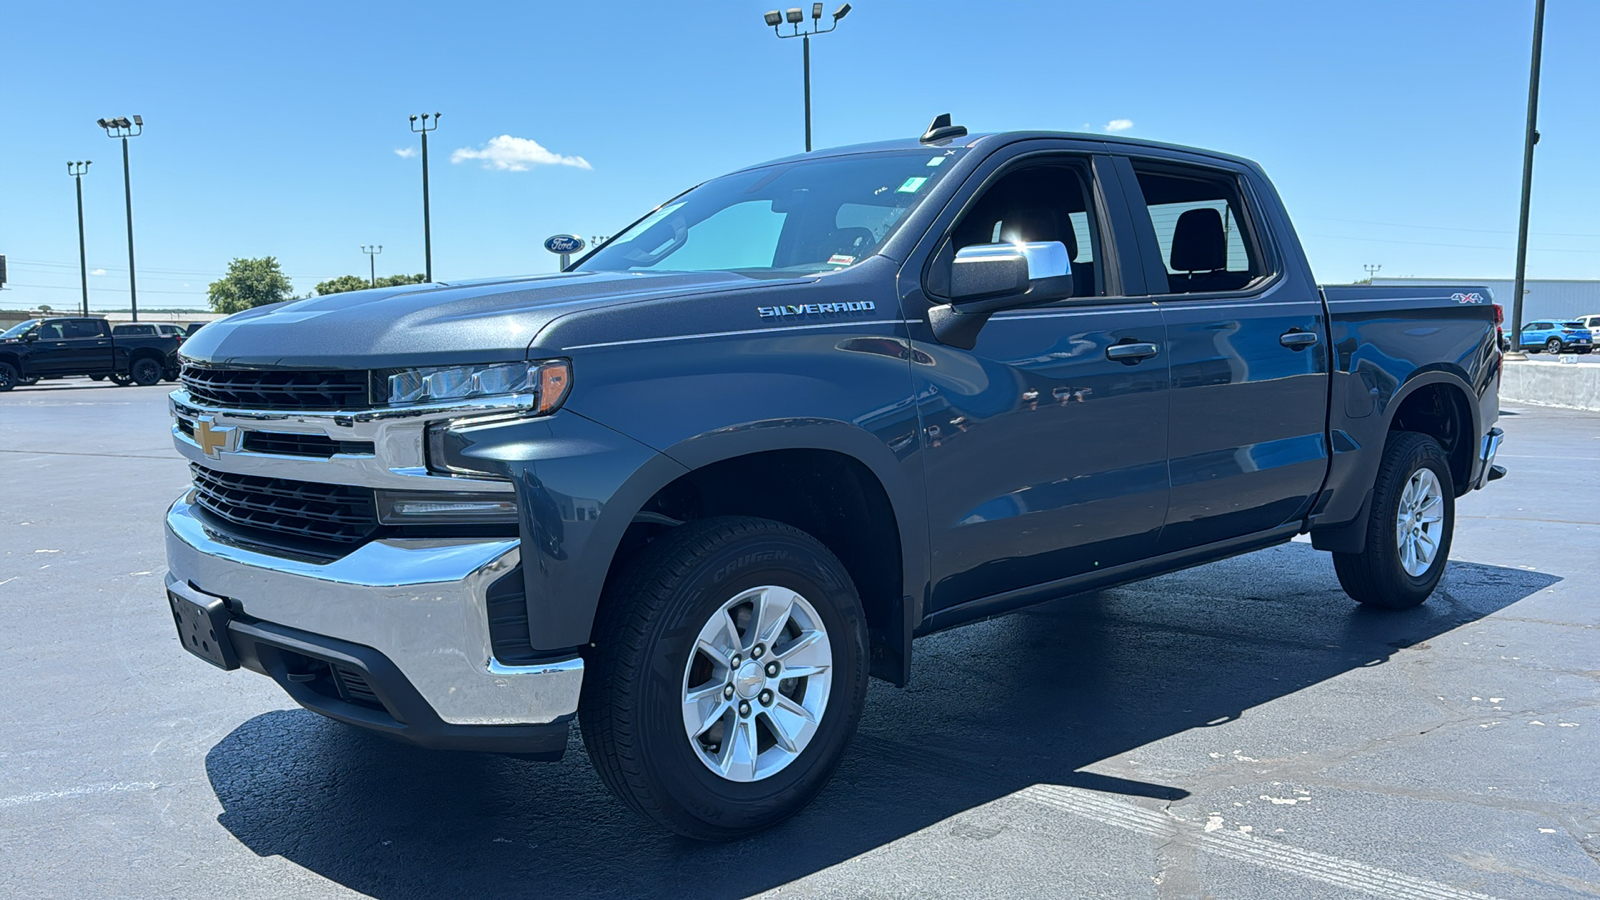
<point x="421" y="603"/>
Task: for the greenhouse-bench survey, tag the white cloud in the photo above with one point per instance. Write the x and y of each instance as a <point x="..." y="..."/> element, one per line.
<point x="1119" y="125"/>
<point x="513" y="154"/>
<point x="97" y="271"/>
<point x="406" y="152"/>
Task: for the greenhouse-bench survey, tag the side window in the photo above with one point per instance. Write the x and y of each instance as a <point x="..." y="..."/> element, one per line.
<point x="79" y="328"/>
<point x="1199" y="223"/>
<point x="1043" y="202"/>
<point x="52" y="331"/>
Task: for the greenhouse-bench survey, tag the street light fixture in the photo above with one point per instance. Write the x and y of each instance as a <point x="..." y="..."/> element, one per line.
<point x="77" y="170"/>
<point x="419" y="125"/>
<point x="123" y="129"/>
<point x="372" y="260"/>
<point x="795" y="16"/>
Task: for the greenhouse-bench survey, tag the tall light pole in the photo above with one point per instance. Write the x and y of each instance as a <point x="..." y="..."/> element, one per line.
<point x="795" y="16"/>
<point x="1372" y="270"/>
<point x="77" y="170"/>
<point x="1529" y="138"/>
<point x="122" y="128"/>
<point x="422" y="127"/>
<point x="372" y="260"/>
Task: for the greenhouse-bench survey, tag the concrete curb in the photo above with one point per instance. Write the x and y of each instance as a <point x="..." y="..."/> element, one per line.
<point x="1551" y="384"/>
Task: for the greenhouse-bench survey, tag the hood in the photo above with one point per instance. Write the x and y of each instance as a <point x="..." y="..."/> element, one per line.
<point x="432" y="324"/>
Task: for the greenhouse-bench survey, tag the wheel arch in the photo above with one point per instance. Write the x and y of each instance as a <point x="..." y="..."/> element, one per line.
<point x="830" y="479"/>
<point x="1439" y="403"/>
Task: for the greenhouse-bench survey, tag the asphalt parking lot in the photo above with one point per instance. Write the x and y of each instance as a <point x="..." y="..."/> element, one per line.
<point x="1237" y="730"/>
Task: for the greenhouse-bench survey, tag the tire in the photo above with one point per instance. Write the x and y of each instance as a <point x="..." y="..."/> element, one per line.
<point x="170" y="375"/>
<point x="1552" y="346"/>
<point x="120" y="380"/>
<point x="28" y="380"/>
<point x="647" y="658"/>
<point x="9" y="376"/>
<point x="97" y="378"/>
<point x="145" y="372"/>
<point x="1379" y="575"/>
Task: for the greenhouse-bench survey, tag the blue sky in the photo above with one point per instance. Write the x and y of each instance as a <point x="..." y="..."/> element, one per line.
<point x="1392" y="129"/>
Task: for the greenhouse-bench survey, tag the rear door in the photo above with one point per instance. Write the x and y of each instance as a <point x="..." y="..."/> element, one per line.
<point x="91" y="345"/>
<point x="1245" y="342"/>
<point x="1044" y="458"/>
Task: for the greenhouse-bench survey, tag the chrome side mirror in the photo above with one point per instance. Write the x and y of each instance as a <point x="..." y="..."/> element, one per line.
<point x="986" y="278"/>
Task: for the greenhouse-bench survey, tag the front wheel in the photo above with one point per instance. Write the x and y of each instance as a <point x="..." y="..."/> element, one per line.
<point x="9" y="376"/>
<point x="728" y="673"/>
<point x="145" y="372"/>
<point x="1408" y="534"/>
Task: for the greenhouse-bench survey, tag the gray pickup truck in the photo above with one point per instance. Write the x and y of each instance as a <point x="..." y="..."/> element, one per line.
<point x="694" y="490"/>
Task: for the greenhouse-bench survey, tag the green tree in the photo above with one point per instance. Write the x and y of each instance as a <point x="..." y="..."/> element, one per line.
<point x="248" y="284"/>
<point x="357" y="283"/>
<point x="45" y="308"/>
<point x="341" y="284"/>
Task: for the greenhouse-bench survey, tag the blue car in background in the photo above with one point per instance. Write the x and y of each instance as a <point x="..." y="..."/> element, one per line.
<point x="1556" y="337"/>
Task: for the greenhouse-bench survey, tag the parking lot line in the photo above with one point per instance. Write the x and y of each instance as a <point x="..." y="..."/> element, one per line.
<point x="1344" y="873"/>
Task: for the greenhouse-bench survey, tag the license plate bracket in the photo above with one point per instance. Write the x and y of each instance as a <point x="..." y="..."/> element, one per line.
<point x="202" y="622"/>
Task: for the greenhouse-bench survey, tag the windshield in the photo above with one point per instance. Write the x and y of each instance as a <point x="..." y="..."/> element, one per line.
<point x="17" y="329"/>
<point x="789" y="219"/>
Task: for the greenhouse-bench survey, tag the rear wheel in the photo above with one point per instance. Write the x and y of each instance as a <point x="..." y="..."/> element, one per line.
<point x="8" y="376"/>
<point x="97" y="378"/>
<point x="1409" y="530"/>
<point x="728" y="673"/>
<point x="1553" y="345"/>
<point x="145" y="371"/>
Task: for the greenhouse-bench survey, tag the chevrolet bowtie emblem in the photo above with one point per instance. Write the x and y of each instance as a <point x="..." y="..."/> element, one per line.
<point x="213" y="440"/>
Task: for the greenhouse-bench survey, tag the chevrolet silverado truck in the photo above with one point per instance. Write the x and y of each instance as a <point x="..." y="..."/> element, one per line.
<point x="694" y="490"/>
<point x="84" y="345"/>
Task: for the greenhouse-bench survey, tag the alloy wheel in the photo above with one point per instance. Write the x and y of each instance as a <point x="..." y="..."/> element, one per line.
<point x="1419" y="522"/>
<point x="756" y="683"/>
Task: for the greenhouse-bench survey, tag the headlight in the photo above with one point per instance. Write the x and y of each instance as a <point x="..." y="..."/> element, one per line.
<point x="545" y="383"/>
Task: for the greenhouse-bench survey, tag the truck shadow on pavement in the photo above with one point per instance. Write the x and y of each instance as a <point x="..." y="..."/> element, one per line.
<point x="993" y="708"/>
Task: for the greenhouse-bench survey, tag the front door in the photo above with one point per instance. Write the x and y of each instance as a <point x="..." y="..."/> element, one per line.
<point x="1045" y="458"/>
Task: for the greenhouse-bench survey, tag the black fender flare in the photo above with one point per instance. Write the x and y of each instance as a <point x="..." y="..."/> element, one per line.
<point x="1350" y="537"/>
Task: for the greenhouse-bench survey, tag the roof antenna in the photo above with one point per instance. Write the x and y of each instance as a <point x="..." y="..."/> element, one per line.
<point x="942" y="130"/>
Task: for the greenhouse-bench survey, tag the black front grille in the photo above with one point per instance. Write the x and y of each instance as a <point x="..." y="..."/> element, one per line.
<point x="278" y="388"/>
<point x="327" y="517"/>
<point x="317" y="445"/>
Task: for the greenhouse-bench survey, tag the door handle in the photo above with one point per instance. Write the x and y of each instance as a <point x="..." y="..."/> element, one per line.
<point x="1297" y="340"/>
<point x="1131" y="354"/>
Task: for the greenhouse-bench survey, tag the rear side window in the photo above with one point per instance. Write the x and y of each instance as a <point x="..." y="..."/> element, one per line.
<point x="1199" y="221"/>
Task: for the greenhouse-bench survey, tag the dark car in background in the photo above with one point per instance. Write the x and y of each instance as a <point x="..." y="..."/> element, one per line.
<point x="83" y="345"/>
